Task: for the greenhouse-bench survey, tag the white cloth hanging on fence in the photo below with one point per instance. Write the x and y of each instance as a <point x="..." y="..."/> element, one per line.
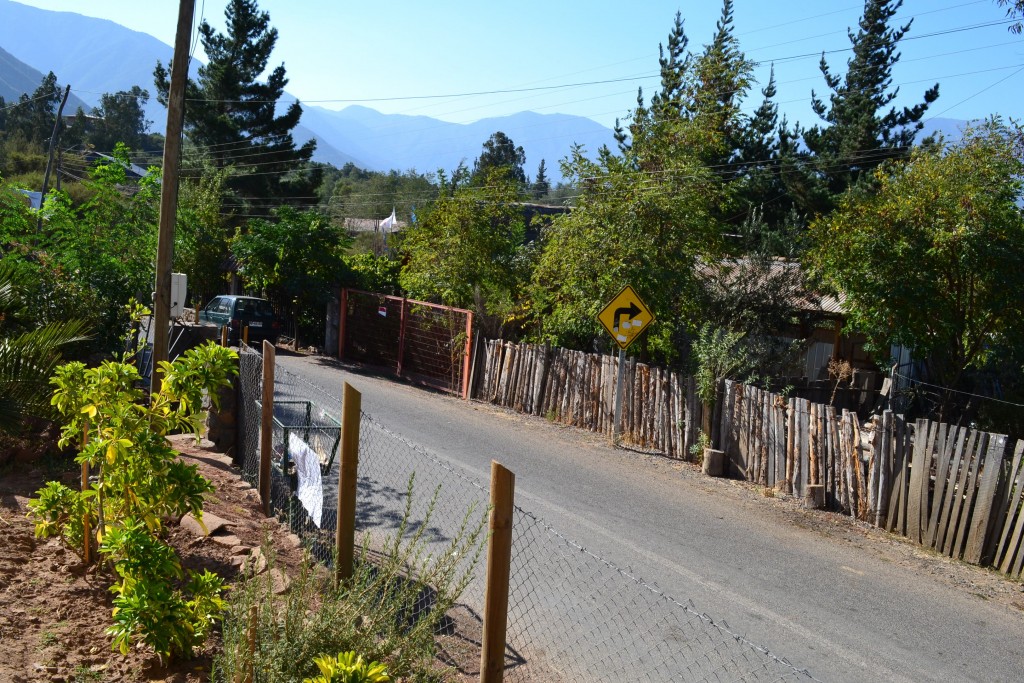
<point x="307" y="466"/>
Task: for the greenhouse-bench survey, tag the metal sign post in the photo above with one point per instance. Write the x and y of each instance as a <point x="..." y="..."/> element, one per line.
<point x="624" y="317"/>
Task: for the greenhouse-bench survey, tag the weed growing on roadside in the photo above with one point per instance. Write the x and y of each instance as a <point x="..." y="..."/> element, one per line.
<point x="390" y="610"/>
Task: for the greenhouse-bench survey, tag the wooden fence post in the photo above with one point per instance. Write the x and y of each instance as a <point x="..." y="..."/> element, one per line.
<point x="342" y="323"/>
<point x="401" y="337"/>
<point x="224" y="336"/>
<point x="86" y="534"/>
<point x="267" y="425"/>
<point x="345" y="528"/>
<point x="499" y="558"/>
<point x="467" y="360"/>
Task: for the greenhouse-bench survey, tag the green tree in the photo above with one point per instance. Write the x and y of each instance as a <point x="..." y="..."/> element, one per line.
<point x="233" y="115"/>
<point x="121" y="117"/>
<point x="468" y="251"/>
<point x="297" y="259"/>
<point x="201" y="239"/>
<point x="541" y="184"/>
<point x="932" y="261"/>
<point x="500" y="152"/>
<point x="857" y="133"/>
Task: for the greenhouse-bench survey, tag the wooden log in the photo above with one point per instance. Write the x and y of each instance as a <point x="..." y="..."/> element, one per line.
<point x="790" y="446"/>
<point x="345" y="529"/>
<point x="873" y="463"/>
<point x="764" y="437"/>
<point x="862" y="493"/>
<point x="978" y="545"/>
<point x="813" y="476"/>
<point x="814" y="496"/>
<point x="779" y="408"/>
<point x="885" y="469"/>
<point x="969" y="492"/>
<point x="833" y="479"/>
<point x="714" y="462"/>
<point x="499" y="562"/>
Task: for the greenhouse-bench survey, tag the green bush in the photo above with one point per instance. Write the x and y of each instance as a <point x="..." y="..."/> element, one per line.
<point x="390" y="610"/>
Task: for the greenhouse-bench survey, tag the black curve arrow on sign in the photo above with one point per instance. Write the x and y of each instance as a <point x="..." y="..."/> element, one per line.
<point x="630" y="312"/>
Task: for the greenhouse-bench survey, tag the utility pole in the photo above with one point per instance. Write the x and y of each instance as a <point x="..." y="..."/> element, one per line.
<point x="49" y="158"/>
<point x="169" y="190"/>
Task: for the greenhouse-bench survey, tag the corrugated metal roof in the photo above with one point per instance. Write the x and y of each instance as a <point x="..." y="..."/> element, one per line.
<point x="806" y="301"/>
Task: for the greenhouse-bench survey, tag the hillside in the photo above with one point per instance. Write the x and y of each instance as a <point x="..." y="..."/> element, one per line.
<point x="97" y="56"/>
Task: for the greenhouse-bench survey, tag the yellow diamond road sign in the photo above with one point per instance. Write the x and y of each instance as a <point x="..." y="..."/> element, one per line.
<point x="625" y="317"/>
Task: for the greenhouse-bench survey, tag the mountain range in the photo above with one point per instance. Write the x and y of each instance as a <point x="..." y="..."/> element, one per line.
<point x="98" y="56"/>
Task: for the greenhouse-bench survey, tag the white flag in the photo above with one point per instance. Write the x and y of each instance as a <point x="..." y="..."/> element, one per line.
<point x="389" y="222"/>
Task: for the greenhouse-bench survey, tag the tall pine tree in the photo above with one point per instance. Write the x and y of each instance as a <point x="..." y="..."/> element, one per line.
<point x="232" y="116"/>
<point x="857" y="133"/>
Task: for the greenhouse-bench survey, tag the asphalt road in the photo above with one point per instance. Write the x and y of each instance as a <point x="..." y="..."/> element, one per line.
<point x="842" y="601"/>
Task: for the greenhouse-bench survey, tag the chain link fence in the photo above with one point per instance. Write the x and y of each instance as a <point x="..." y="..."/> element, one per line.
<point x="573" y="616"/>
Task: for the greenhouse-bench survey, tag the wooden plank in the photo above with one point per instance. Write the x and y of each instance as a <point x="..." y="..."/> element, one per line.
<point x="946" y="444"/>
<point x="1010" y="538"/>
<point x="982" y="517"/>
<point x="969" y="491"/>
<point x="885" y="468"/>
<point x="831" y="492"/>
<point x="790" y="445"/>
<point x="917" y="473"/>
<point x="957" y="496"/>
<point x="862" y="493"/>
<point x="947" y="498"/>
<point x="874" y="461"/>
<point x="901" y="478"/>
<point x="780" y="441"/>
<point x="812" y="444"/>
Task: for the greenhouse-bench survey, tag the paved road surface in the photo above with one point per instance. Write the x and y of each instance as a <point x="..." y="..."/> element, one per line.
<point x="845" y="602"/>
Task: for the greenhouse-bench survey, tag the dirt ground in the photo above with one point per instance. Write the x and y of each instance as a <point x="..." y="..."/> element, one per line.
<point x="54" y="609"/>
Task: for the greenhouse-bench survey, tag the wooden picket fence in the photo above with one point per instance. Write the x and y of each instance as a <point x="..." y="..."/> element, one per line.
<point x="955" y="490"/>
<point x="660" y="410"/>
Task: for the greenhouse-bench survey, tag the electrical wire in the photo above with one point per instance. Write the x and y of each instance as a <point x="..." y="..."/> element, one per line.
<point x="957" y="391"/>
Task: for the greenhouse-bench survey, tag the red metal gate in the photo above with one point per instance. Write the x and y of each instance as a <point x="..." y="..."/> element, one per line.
<point x="419" y="341"/>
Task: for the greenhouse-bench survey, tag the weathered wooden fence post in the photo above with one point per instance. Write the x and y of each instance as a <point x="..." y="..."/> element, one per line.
<point x="266" y="425"/>
<point x="499" y="558"/>
<point x="345" y="527"/>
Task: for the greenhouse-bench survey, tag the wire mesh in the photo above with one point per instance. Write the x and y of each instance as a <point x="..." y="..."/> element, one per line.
<point x="573" y="616"/>
<point x="421" y="341"/>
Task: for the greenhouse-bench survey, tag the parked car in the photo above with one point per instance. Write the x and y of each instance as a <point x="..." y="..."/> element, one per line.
<point x="240" y="312"/>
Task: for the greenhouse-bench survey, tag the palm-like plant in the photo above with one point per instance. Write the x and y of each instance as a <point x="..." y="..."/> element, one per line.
<point x="28" y="354"/>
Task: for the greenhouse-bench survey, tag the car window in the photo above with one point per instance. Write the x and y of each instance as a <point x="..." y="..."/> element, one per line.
<point x="224" y="306"/>
<point x="263" y="308"/>
<point x="214" y="306"/>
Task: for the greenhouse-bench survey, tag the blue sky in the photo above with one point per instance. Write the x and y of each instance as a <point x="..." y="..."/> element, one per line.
<point x="588" y="58"/>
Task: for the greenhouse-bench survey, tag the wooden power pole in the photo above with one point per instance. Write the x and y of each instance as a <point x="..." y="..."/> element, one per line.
<point x="49" y="156"/>
<point x="169" y="190"/>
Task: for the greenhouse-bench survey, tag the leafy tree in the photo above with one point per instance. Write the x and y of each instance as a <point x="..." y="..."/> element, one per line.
<point x="121" y="117"/>
<point x="297" y="259"/>
<point x="859" y="134"/>
<point x="232" y="115"/>
<point x="468" y="251"/>
<point x="33" y="116"/>
<point x="201" y="239"/>
<point x="630" y="227"/>
<point x="90" y="259"/>
<point x="29" y="352"/>
<point x="541" y="184"/>
<point x="648" y="215"/>
<point x="500" y="152"/>
<point x="932" y="261"/>
<point x="1015" y="11"/>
